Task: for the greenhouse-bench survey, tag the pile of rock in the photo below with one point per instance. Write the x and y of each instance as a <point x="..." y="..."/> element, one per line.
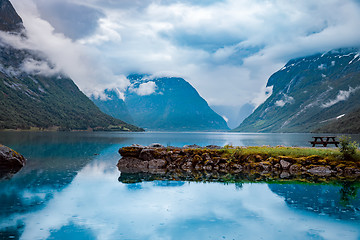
<point x="159" y="159"/>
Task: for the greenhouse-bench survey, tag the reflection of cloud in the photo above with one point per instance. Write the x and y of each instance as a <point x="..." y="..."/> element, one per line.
<point x="96" y="201"/>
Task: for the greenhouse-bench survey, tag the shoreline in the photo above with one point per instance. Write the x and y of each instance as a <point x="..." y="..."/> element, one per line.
<point x="266" y="163"/>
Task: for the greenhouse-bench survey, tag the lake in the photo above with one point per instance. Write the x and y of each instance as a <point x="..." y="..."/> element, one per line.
<point x="70" y="189"/>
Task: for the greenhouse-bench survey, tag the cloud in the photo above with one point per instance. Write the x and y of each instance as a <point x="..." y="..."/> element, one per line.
<point x="38" y="67"/>
<point x="80" y="62"/>
<point x="226" y="49"/>
<point x="285" y="99"/>
<point x="263" y="95"/>
<point x="343" y="95"/>
<point x="145" y="89"/>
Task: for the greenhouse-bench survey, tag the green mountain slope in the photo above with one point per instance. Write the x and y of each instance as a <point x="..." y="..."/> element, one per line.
<point x="38" y="100"/>
<point x="310" y="93"/>
<point x="349" y="123"/>
<point x="171" y="104"/>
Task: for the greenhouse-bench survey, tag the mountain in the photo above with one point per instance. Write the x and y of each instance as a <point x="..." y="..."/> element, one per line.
<point x="314" y="93"/>
<point x="166" y="103"/>
<point x="346" y="124"/>
<point x="34" y="99"/>
<point x="113" y="105"/>
<point x="10" y="21"/>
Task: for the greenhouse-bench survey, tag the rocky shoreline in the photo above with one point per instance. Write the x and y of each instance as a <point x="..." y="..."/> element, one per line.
<point x="10" y="162"/>
<point x="213" y="162"/>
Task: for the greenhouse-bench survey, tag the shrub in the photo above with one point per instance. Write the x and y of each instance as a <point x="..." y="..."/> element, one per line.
<point x="347" y="147"/>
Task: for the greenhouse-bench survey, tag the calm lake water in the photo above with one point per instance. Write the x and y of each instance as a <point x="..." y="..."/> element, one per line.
<point x="69" y="189"/>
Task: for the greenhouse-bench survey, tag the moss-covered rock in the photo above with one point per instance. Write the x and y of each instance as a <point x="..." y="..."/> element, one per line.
<point x="235" y="160"/>
<point x="10" y="162"/>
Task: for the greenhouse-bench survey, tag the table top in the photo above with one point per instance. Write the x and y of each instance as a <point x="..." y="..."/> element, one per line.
<point x="326" y="137"/>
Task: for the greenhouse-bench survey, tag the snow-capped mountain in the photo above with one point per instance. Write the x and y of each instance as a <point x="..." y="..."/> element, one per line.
<point x="311" y="94"/>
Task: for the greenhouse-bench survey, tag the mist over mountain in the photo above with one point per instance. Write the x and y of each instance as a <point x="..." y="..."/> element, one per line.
<point x="34" y="94"/>
<point x="314" y="93"/>
<point x="234" y="115"/>
<point x="165" y="103"/>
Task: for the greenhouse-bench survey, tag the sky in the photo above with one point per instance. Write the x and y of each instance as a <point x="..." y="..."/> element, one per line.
<point x="227" y="49"/>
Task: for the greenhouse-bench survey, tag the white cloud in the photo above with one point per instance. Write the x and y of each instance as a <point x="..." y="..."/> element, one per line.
<point x="285" y="99"/>
<point x="226" y="49"/>
<point x="264" y="94"/>
<point x="38" y="67"/>
<point x="82" y="63"/>
<point x="342" y="96"/>
<point x="145" y="89"/>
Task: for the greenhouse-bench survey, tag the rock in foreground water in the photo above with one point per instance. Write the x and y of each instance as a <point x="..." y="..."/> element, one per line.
<point x="10" y="162"/>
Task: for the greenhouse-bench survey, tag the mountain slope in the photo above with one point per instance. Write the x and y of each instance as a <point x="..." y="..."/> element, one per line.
<point x="114" y="106"/>
<point x="41" y="100"/>
<point x="309" y="93"/>
<point x="349" y="123"/>
<point x="10" y="21"/>
<point x="169" y="104"/>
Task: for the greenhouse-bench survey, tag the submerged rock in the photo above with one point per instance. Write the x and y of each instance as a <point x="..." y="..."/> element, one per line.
<point x="10" y="162"/>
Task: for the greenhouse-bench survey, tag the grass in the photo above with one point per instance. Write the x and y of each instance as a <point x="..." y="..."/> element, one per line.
<point x="330" y="153"/>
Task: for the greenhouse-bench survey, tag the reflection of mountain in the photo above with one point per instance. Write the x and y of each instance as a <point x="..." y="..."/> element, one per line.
<point x="319" y="199"/>
<point x="50" y="168"/>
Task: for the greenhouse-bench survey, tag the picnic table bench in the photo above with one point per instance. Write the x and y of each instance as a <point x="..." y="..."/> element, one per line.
<point x="324" y="141"/>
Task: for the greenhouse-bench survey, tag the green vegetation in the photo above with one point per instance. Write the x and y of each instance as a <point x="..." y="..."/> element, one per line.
<point x="51" y="103"/>
<point x="348" y="148"/>
<point x="346" y="124"/>
<point x="283" y="151"/>
<point x="39" y="101"/>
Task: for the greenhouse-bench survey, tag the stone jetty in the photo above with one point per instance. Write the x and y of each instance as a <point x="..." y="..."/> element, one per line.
<point x="214" y="160"/>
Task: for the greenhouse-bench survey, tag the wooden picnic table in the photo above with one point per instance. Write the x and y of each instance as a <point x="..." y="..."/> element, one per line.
<point x="324" y="141"/>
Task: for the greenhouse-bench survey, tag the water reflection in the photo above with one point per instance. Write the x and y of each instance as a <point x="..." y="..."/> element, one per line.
<point x="96" y="206"/>
<point x="72" y="193"/>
